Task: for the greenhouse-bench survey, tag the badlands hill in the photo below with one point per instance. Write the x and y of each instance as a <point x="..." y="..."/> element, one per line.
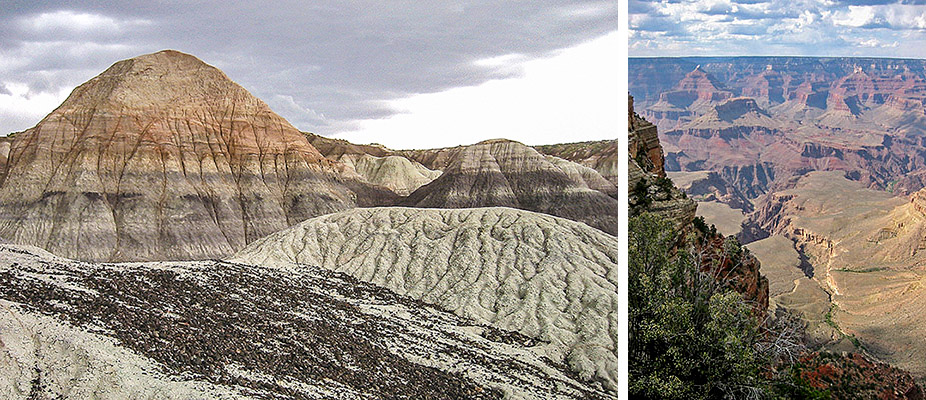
<point x="220" y="330"/>
<point x="545" y="277"/>
<point x="600" y="155"/>
<point x="163" y="157"/>
<point x="494" y="173"/>
<point x="506" y="173"/>
<point x="377" y="164"/>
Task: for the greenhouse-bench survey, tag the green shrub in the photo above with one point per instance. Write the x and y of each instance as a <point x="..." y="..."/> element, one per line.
<point x="689" y="338"/>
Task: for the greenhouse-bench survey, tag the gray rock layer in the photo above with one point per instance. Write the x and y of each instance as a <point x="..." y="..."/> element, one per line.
<point x="542" y="276"/>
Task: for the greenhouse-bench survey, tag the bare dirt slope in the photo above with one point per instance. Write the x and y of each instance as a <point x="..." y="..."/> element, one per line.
<point x="542" y="276"/>
<point x="505" y="173"/>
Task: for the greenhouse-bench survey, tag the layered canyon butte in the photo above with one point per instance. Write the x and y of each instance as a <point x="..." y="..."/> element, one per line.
<point x="166" y="234"/>
<point x="818" y="164"/>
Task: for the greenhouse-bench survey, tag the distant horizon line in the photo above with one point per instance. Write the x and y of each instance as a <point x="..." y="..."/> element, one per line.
<point x="767" y="56"/>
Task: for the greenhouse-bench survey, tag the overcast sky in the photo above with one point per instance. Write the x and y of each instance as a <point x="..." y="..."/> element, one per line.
<point x="402" y="73"/>
<point x="875" y="28"/>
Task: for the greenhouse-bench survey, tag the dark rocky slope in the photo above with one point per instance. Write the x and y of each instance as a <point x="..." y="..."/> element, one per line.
<point x="225" y="330"/>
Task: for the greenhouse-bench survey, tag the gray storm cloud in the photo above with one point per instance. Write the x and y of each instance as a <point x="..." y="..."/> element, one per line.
<point x="321" y="64"/>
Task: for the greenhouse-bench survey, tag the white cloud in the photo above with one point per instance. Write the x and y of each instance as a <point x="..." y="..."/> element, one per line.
<point x="295" y="112"/>
<point x="856" y="16"/>
<point x="571" y="96"/>
<point x="71" y="21"/>
<point x="21" y="108"/>
<point x="778" y="27"/>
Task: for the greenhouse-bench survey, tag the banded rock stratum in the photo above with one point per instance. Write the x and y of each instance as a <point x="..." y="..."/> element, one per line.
<point x="542" y="276"/>
<point x="506" y="173"/>
<point x="163" y="157"/>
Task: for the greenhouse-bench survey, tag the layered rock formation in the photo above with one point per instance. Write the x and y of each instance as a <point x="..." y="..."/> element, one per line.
<point x="163" y="157"/>
<point x="863" y="248"/>
<point x="602" y="156"/>
<point x="377" y="164"/>
<point x="509" y="174"/>
<point x="861" y="116"/>
<point x="232" y="331"/>
<point x="543" y="276"/>
<point x="691" y="96"/>
<point x="650" y="190"/>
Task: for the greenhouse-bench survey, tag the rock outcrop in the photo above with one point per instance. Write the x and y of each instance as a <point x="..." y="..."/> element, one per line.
<point x="854" y="376"/>
<point x="542" y="276"/>
<point x="505" y="173"/>
<point x="163" y="157"/>
<point x="233" y="331"/>
<point x="650" y="190"/>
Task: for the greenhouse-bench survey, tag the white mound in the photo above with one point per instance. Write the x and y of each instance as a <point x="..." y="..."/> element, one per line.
<point x="543" y="276"/>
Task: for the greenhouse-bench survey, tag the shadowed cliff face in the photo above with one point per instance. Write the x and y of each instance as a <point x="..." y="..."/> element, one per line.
<point x="163" y="157"/>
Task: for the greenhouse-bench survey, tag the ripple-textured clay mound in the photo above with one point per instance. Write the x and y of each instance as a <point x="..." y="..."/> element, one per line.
<point x="544" y="277"/>
<point x="220" y="330"/>
<point x="163" y="157"/>
<point x="505" y="173"/>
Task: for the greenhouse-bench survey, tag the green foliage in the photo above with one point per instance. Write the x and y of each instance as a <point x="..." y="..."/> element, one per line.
<point x="689" y="337"/>
<point x="640" y="190"/>
<point x="665" y="184"/>
<point x="700" y="225"/>
<point x="732" y="248"/>
<point x="641" y="159"/>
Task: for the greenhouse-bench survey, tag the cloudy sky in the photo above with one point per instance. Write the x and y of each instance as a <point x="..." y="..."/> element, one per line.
<point x="878" y="28"/>
<point x="402" y="73"/>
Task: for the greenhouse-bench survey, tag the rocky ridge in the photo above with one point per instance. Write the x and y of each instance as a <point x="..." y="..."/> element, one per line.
<point x="861" y="116"/>
<point x="377" y="164"/>
<point x="652" y="192"/>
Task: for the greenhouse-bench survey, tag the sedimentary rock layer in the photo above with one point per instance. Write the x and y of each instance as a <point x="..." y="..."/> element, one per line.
<point x="542" y="276"/>
<point x="377" y="164"/>
<point x="163" y="157"/>
<point x="509" y="174"/>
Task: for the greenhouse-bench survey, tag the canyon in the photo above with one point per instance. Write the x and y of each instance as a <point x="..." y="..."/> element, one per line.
<point x="816" y="164"/>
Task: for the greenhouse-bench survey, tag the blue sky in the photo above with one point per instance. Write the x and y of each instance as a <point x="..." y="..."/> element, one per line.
<point x="364" y="70"/>
<point x="873" y="28"/>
